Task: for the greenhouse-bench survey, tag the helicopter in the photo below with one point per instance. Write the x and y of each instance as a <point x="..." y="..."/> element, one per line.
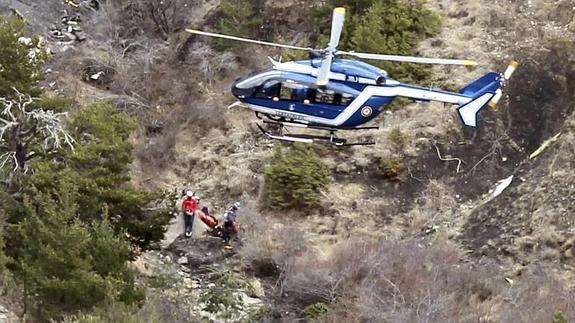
<point x="329" y="93"/>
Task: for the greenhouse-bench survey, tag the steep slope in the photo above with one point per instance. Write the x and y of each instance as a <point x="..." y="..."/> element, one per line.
<point x="533" y="220"/>
<point x="180" y="88"/>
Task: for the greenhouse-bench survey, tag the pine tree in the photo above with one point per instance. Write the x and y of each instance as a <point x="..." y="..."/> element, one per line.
<point x="238" y="18"/>
<point x="294" y="179"/>
<point x="99" y="167"/>
<point x="67" y="265"/>
<point x="21" y="59"/>
<point x="395" y="27"/>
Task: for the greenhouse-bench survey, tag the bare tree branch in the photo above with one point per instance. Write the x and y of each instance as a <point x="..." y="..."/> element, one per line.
<point x="23" y="129"/>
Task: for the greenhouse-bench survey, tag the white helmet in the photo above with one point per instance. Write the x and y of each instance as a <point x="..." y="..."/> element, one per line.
<point x="189" y="193"/>
<point x="237" y="205"/>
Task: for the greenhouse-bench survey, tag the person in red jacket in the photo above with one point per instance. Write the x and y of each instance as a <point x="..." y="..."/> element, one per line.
<point x="189" y="207"/>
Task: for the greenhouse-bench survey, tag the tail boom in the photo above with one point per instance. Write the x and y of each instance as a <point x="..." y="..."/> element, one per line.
<point x="485" y="91"/>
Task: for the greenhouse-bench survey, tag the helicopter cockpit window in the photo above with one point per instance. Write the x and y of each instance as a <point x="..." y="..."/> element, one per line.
<point x="269" y="89"/>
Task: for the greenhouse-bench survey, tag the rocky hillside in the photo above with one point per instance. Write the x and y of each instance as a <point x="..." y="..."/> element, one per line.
<point x="428" y="242"/>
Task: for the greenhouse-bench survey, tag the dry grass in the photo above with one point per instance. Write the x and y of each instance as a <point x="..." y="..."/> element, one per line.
<point x="435" y="207"/>
<point x="404" y="281"/>
<point x="269" y="249"/>
<point x="391" y="281"/>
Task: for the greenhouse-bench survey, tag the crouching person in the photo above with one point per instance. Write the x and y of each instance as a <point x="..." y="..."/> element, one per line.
<point x="230" y="224"/>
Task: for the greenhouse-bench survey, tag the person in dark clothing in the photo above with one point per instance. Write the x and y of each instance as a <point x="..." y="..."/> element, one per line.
<point x="230" y="224"/>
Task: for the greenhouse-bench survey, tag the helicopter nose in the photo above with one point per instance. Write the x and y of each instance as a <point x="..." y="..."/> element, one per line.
<point x="239" y="92"/>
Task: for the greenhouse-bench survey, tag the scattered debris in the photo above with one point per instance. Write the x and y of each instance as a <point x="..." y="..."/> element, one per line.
<point x="503" y="184"/>
<point x="183" y="260"/>
<point x="25" y="41"/>
<point x="70" y="30"/>
<point x="432" y="229"/>
<point x="509" y="280"/>
<point x="544" y="146"/>
<point x="96" y="76"/>
<point x="449" y="158"/>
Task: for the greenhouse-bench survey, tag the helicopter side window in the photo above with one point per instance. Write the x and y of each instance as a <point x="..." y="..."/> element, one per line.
<point x="346" y="99"/>
<point x="269" y="89"/>
<point x="330" y="97"/>
<point x="293" y="91"/>
<point x="310" y="96"/>
<point x="324" y="96"/>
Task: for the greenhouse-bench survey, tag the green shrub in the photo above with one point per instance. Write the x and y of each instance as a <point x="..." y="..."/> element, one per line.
<point x="315" y="311"/>
<point x="559" y="317"/>
<point x="237" y="18"/>
<point x="398" y="139"/>
<point x="393" y="27"/>
<point x="257" y="314"/>
<point x="391" y="167"/>
<point x="397" y="103"/>
<point x="221" y="300"/>
<point x="66" y="264"/>
<point x="20" y="62"/>
<point x="295" y="178"/>
<point x="162" y="280"/>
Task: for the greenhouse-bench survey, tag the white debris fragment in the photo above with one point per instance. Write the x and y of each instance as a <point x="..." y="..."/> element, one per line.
<point x="509" y="280"/>
<point x="25" y="41"/>
<point x="96" y="76"/>
<point x="503" y="184"/>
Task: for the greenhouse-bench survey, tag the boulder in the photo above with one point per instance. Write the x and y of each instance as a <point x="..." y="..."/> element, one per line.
<point x="256" y="289"/>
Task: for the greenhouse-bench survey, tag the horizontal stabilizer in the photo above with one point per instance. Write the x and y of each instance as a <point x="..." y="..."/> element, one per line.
<point x="470" y="111"/>
<point x="485" y="91"/>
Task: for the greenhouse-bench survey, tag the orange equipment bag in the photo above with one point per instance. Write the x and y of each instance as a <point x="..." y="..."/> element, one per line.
<point x="209" y="220"/>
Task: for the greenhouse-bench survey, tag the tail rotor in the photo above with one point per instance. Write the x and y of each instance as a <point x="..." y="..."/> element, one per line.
<point x="506" y="76"/>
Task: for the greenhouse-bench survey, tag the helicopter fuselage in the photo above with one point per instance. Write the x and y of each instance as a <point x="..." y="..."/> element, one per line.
<point x="356" y="93"/>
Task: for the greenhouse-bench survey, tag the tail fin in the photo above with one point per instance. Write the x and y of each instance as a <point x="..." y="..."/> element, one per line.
<point x="485" y="91"/>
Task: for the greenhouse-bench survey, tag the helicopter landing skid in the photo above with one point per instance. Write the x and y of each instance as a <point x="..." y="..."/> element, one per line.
<point x="304" y="138"/>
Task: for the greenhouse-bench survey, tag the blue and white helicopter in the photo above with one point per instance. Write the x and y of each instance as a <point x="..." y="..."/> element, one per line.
<point x="331" y="94"/>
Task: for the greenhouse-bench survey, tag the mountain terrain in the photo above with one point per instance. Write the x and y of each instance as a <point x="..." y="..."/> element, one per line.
<point x="422" y="240"/>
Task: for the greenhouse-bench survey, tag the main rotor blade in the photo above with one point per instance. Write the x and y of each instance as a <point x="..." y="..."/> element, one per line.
<point x="324" y="71"/>
<point x="205" y="33"/>
<point x="410" y="59"/>
<point x="336" y="26"/>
